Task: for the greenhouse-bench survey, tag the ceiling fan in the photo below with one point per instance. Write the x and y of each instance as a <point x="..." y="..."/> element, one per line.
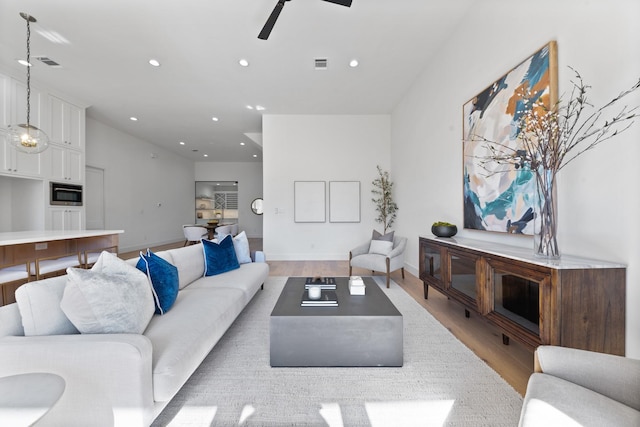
<point x="268" y="26"/>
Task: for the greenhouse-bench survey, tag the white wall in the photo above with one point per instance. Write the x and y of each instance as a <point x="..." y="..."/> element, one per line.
<point x="319" y="148"/>
<point x="249" y="177"/>
<point x="136" y="183"/>
<point x="598" y="197"/>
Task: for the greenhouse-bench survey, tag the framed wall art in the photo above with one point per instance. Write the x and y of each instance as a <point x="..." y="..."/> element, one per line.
<point x="502" y="198"/>
<point x="344" y="201"/>
<point x="309" y="201"/>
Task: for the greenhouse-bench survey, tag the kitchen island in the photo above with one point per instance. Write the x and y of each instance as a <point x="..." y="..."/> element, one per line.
<point x="24" y="246"/>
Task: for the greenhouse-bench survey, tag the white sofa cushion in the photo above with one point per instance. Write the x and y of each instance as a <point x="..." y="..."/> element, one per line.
<point x="189" y="261"/>
<point x="10" y="321"/>
<point x="39" y="304"/>
<point x="184" y="336"/>
<point x="241" y="246"/>
<point x="248" y="278"/>
<point x="112" y="297"/>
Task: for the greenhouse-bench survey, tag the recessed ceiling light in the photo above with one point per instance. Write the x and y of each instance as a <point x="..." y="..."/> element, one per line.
<point x="205" y="155"/>
<point x="181" y="142"/>
<point x="249" y="107"/>
<point x="255" y="155"/>
<point x="215" y="119"/>
<point x="259" y="108"/>
<point x="353" y="63"/>
<point x="133" y="119"/>
<point x="154" y="62"/>
<point x="23" y="62"/>
<point x="242" y="143"/>
<point x="243" y="62"/>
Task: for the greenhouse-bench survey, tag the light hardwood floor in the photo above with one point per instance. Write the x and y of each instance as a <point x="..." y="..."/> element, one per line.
<point x="513" y="362"/>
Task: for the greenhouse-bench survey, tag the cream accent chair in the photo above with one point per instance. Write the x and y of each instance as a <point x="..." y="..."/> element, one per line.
<point x="54" y="265"/>
<point x="88" y="258"/>
<point x="361" y="258"/>
<point x="223" y="230"/>
<point x="11" y="278"/>
<point x="573" y="387"/>
<point x="194" y="233"/>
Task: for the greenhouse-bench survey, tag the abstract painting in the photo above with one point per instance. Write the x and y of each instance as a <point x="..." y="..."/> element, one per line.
<point x="499" y="197"/>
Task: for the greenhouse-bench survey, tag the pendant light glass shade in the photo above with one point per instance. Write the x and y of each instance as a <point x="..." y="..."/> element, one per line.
<point x="26" y="137"/>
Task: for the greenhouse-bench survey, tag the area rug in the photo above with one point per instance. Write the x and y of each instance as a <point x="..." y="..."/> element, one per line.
<point x="442" y="383"/>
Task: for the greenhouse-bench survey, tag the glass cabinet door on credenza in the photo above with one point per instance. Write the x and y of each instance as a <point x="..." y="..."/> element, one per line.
<point x="431" y="267"/>
<point x="516" y="301"/>
<point x="462" y="281"/>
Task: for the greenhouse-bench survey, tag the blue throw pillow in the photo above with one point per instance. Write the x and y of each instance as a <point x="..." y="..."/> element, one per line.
<point x="219" y="257"/>
<point x="163" y="277"/>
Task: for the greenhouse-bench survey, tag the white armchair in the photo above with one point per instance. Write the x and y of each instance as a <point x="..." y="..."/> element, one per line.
<point x="223" y="230"/>
<point x="193" y="233"/>
<point x="573" y="387"/>
<point x="361" y="257"/>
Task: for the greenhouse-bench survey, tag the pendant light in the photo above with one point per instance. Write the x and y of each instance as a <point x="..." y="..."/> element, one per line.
<point x="24" y="136"/>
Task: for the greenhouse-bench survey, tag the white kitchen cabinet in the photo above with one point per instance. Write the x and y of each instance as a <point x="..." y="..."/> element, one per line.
<point x="5" y="97"/>
<point x="66" y="123"/>
<point x="66" y="164"/>
<point x="65" y="219"/>
<point x="17" y="163"/>
<point x="18" y="113"/>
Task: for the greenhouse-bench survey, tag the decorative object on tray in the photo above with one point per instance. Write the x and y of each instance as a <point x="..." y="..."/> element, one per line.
<point x="444" y="229"/>
<point x="319" y="280"/>
<point x="314" y="292"/>
<point x="548" y="134"/>
<point x="356" y="285"/>
<point x="328" y="298"/>
<point x="385" y="206"/>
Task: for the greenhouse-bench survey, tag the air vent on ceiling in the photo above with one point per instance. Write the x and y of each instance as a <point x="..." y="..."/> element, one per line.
<point x="50" y="62"/>
<point x="321" y="63"/>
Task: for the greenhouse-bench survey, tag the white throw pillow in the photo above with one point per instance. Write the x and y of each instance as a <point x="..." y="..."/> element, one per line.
<point x="112" y="297"/>
<point x="241" y="246"/>
<point x="39" y="305"/>
<point x="381" y="247"/>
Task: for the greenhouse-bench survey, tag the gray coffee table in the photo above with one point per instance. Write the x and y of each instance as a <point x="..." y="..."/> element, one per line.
<point x="364" y="330"/>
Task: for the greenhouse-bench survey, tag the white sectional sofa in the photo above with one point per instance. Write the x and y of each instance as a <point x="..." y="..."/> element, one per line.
<point x="127" y="379"/>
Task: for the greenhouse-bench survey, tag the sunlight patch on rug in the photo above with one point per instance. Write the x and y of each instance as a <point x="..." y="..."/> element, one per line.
<point x="408" y="414"/>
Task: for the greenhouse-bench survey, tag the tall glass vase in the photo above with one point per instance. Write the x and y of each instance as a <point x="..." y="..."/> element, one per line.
<point x="545" y="222"/>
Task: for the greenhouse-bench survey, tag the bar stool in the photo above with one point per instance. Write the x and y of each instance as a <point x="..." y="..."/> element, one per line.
<point x="89" y="257"/>
<point x="55" y="264"/>
<point x="11" y="278"/>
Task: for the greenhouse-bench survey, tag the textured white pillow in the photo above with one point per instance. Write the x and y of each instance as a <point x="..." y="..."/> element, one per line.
<point x="381" y="247"/>
<point x="112" y="297"/>
<point x="39" y="304"/>
<point x="241" y="246"/>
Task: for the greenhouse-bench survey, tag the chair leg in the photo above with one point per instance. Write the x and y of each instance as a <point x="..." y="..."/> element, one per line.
<point x="185" y="243"/>
<point x="402" y="269"/>
<point x="388" y="272"/>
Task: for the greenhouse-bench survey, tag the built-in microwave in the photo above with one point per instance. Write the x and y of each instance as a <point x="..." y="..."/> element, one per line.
<point x="65" y="194"/>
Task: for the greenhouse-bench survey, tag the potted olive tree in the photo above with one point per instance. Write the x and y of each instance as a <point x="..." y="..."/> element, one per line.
<point x="383" y="199"/>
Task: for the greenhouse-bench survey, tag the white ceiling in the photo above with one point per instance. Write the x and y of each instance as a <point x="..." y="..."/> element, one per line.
<point x="104" y="62"/>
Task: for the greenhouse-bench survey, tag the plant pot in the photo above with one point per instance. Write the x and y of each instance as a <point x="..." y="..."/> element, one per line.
<point x="444" y="230"/>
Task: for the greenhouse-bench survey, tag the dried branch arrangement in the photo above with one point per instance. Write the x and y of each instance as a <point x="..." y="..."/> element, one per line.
<point x="554" y="136"/>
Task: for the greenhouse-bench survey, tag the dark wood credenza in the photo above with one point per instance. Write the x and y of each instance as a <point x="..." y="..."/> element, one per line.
<point x="572" y="302"/>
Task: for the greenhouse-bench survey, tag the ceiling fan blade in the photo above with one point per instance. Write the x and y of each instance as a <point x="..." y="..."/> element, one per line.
<point x="341" y="2"/>
<point x="268" y="26"/>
